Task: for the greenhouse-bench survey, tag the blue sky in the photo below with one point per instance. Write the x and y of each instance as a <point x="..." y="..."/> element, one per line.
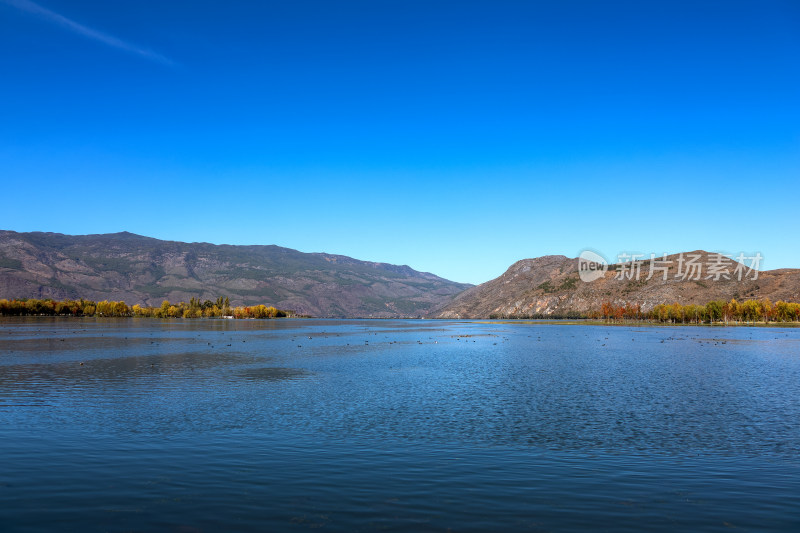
<point x="455" y="137"/>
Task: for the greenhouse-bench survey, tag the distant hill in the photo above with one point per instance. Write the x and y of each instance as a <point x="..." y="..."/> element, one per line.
<point x="137" y="269"/>
<point x="551" y="285"/>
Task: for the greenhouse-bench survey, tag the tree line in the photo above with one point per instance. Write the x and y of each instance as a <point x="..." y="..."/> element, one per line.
<point x="220" y="308"/>
<point x="717" y="311"/>
<point x="747" y="311"/>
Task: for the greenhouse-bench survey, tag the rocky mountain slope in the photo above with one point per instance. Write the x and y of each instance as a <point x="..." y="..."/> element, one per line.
<point x="552" y="286"/>
<point x="137" y="269"/>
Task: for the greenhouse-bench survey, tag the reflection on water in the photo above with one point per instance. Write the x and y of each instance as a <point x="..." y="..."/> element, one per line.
<point x="270" y="374"/>
<point x="364" y="425"/>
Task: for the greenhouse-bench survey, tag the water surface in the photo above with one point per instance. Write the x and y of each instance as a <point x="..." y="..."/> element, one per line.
<point x="203" y="425"/>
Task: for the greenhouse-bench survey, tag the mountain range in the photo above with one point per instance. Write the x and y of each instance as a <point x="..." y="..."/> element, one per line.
<point x="552" y="286"/>
<point x="143" y="270"/>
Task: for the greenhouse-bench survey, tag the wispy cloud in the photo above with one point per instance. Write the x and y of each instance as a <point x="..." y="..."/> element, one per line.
<point x="80" y="29"/>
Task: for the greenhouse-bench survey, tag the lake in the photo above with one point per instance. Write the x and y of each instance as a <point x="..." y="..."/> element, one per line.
<point x="207" y="425"/>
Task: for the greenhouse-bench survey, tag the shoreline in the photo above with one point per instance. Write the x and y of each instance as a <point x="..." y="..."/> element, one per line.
<point x="549" y="322"/>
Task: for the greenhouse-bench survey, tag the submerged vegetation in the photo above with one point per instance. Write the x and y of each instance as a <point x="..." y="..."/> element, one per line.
<point x="220" y="308"/>
<point x="569" y="315"/>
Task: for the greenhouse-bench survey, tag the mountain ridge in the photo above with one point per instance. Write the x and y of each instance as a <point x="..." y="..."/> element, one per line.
<point x="552" y="286"/>
<point x="140" y="269"/>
